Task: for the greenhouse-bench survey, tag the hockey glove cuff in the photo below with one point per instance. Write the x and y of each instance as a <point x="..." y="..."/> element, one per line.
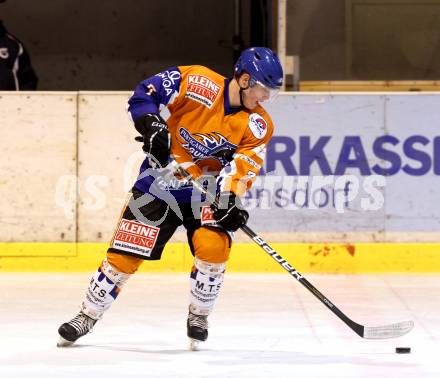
<point x="155" y="136"/>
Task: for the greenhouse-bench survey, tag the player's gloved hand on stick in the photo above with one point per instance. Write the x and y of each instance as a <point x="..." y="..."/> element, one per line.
<point x="155" y="136"/>
<point x="230" y="215"/>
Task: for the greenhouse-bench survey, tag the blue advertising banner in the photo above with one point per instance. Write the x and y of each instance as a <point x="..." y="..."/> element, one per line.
<point x="345" y="162"/>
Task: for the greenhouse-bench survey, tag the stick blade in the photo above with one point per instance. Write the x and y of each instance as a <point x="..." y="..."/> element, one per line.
<point x="389" y="331"/>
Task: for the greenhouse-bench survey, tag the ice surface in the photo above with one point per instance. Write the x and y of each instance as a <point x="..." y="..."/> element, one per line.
<point x="263" y="326"/>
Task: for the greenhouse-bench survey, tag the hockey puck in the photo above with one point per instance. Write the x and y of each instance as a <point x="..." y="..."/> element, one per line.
<point x="403" y="350"/>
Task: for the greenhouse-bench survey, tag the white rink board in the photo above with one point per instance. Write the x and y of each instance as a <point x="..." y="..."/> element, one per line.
<point x="44" y="132"/>
<point x="38" y="146"/>
<point x="109" y="161"/>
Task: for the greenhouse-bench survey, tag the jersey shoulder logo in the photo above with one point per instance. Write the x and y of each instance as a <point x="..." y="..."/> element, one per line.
<point x="170" y="80"/>
<point x="258" y="125"/>
<point x="202" y="89"/>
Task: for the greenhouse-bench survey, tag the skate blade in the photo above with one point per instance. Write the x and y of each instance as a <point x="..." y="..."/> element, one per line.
<point x="194" y="344"/>
<point x="63" y="343"/>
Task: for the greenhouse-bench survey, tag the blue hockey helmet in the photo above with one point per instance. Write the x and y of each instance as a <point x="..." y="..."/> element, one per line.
<point x="263" y="65"/>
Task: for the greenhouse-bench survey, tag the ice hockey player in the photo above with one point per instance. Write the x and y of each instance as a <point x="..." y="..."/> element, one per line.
<point x="209" y="114"/>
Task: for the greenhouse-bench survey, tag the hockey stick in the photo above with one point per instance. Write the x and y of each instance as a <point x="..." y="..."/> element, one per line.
<point x="380" y="332"/>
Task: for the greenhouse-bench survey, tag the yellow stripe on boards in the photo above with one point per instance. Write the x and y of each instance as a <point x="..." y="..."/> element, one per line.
<point x="245" y="257"/>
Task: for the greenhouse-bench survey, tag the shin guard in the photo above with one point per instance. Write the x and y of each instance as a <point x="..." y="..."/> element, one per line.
<point x="206" y="280"/>
<point x="103" y="290"/>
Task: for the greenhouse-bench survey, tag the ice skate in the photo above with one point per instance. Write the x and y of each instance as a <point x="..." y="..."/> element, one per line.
<point x="197" y="329"/>
<point x="71" y="331"/>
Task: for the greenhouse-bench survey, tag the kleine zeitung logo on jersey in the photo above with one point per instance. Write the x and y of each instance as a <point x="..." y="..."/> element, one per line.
<point x="135" y="237"/>
<point x="202" y="89"/>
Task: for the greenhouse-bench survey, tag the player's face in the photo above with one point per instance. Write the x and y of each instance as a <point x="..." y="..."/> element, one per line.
<point x="254" y="95"/>
<point x="255" y="92"/>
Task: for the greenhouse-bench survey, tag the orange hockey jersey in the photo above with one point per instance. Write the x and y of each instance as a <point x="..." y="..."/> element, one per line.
<point x="202" y="123"/>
